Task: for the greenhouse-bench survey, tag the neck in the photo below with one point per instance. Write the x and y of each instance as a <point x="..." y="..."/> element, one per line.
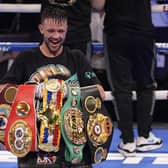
<point x="48" y="53"/>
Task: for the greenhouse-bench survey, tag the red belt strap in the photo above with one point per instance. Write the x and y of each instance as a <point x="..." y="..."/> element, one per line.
<point x="21" y="132"/>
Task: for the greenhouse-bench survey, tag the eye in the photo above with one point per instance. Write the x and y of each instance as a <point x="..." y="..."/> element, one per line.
<point x="61" y="31"/>
<point x="50" y="31"/>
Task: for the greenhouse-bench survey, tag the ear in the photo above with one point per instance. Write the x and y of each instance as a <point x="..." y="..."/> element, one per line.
<point x="40" y="26"/>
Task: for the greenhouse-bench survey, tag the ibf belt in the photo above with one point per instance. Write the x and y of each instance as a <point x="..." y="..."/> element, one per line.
<point x="72" y="126"/>
<point x="7" y="95"/>
<point x="20" y="134"/>
<point x="98" y="123"/>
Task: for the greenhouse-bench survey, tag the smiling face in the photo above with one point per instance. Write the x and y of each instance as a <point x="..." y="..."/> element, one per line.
<point x="54" y="33"/>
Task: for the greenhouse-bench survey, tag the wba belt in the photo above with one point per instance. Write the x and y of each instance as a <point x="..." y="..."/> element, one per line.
<point x="97" y="122"/>
<point x="20" y="134"/>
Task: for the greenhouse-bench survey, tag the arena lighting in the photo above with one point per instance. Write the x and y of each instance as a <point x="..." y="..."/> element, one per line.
<point x="35" y="8"/>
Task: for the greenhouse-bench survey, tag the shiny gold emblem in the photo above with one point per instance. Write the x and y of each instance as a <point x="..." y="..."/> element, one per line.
<point x="20" y="138"/>
<point x="99" y="128"/>
<point x="4" y="114"/>
<point x="74" y="126"/>
<point x="100" y="154"/>
<point x="92" y="104"/>
<point x="22" y="109"/>
<point x="9" y="94"/>
<point x="48" y="147"/>
<point x="53" y="85"/>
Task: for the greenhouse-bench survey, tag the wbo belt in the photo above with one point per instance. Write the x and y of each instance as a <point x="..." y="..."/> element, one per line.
<point x="97" y="122"/>
<point x="20" y="134"/>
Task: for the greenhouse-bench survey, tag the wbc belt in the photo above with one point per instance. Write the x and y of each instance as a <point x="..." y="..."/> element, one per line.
<point x="98" y="123"/>
<point x="72" y="125"/>
<point x="7" y="95"/>
<point x="20" y="134"/>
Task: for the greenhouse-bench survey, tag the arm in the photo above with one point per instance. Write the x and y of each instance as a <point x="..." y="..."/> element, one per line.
<point x="1" y="86"/>
<point x="97" y="4"/>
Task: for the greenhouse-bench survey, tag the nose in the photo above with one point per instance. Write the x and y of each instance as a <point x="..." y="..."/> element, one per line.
<point x="56" y="34"/>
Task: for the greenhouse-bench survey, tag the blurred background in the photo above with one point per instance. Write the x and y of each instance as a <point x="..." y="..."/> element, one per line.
<point x="23" y="27"/>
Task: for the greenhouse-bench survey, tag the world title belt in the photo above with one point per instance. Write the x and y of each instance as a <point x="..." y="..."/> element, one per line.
<point x="98" y="123"/>
<point x="49" y="116"/>
<point x="72" y="125"/>
<point x="7" y="95"/>
<point x="20" y="134"/>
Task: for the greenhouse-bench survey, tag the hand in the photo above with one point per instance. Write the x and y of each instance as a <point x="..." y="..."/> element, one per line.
<point x="101" y="91"/>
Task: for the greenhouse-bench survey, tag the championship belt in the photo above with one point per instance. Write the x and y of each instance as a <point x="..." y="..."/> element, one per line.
<point x="7" y="95"/>
<point x="72" y="125"/>
<point x="98" y="123"/>
<point x="49" y="116"/>
<point x="20" y="134"/>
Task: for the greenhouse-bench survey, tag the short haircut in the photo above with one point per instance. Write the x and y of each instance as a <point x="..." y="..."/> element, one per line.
<point x="57" y="13"/>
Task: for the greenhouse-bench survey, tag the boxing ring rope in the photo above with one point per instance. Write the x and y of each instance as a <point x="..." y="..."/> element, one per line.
<point x="20" y="46"/>
<point x="35" y="8"/>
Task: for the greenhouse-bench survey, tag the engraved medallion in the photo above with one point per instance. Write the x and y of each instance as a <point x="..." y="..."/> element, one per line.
<point x="74" y="126"/>
<point x="100" y="154"/>
<point x="9" y="94"/>
<point x="99" y="128"/>
<point x="20" y="138"/>
<point x="53" y="85"/>
<point x="92" y="104"/>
